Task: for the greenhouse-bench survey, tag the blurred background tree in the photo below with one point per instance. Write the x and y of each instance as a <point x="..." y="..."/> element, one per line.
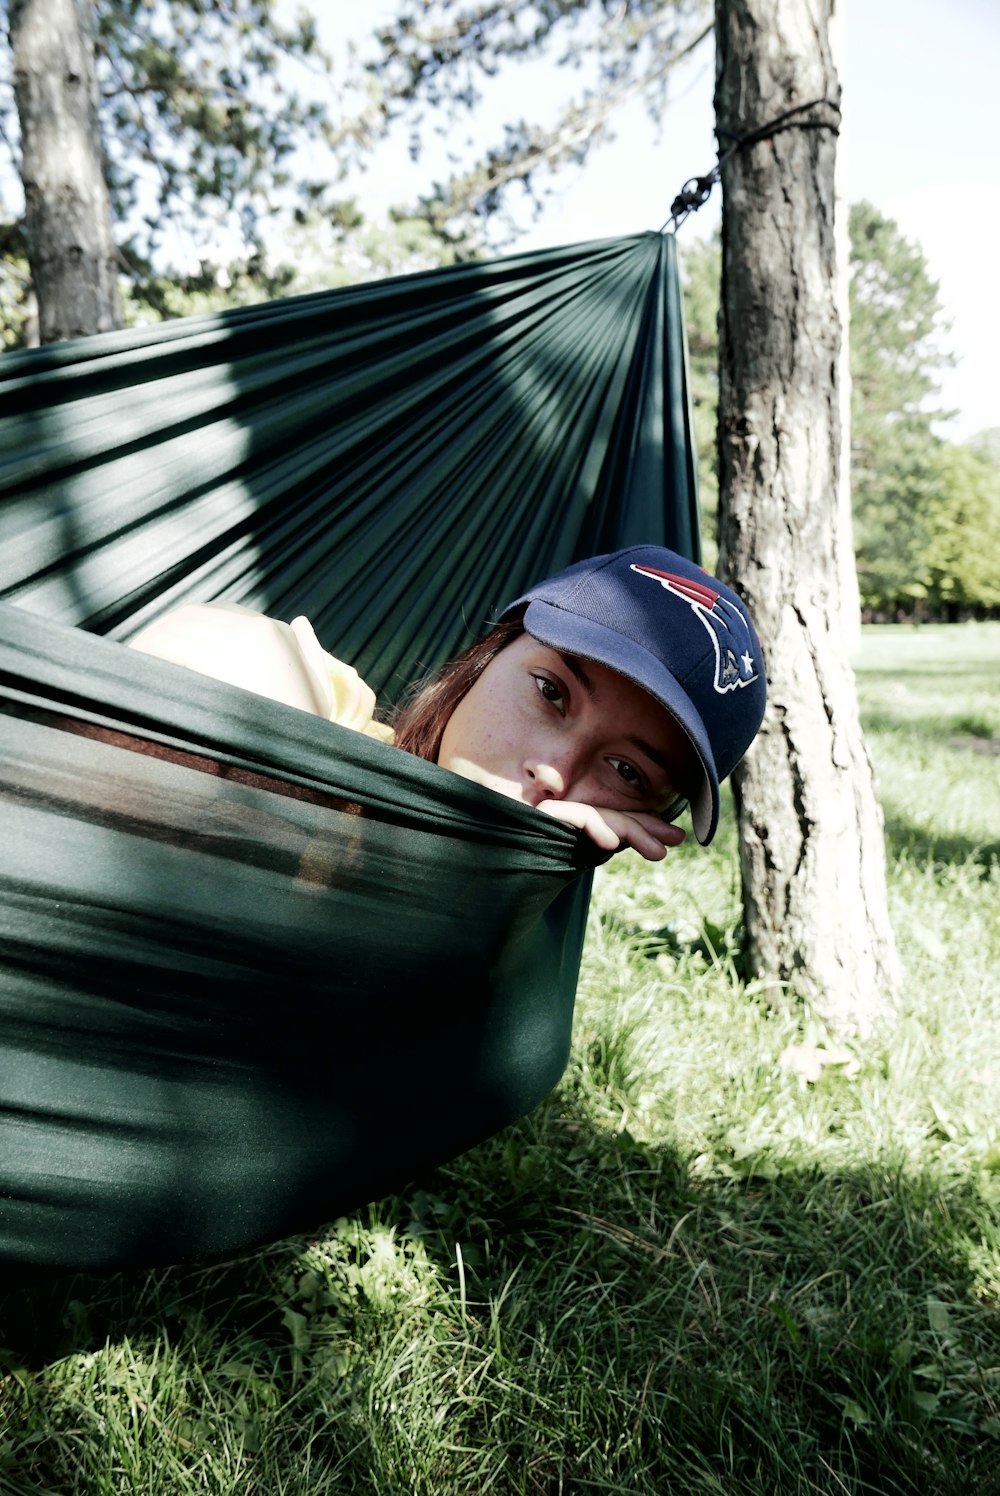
<point x="960" y="565"/>
<point x="701" y="265"/>
<point x="436" y="59"/>
<point x="926" y="510"/>
<point x="196" y="125"/>
<point x="221" y="137"/>
<point x="897" y="351"/>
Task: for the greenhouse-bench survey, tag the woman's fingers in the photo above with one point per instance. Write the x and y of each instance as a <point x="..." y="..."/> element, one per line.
<point x="612" y="829"/>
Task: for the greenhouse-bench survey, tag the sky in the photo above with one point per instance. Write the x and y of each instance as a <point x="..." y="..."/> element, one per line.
<point x="919" y="80"/>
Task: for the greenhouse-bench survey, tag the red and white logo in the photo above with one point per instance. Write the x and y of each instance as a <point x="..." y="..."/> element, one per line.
<point x="735" y="665"/>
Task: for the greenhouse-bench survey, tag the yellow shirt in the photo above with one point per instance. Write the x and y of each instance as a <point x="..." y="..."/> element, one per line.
<point x="283" y="661"/>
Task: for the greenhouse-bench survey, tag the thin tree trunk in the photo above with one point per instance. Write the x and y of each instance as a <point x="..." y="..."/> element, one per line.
<point x="67" y="206"/>
<point x="811" y="833"/>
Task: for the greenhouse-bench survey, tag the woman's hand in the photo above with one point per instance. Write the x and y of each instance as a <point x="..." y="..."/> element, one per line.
<point x="614" y="829"/>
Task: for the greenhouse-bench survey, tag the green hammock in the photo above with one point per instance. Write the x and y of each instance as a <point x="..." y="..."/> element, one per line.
<point x="280" y="969"/>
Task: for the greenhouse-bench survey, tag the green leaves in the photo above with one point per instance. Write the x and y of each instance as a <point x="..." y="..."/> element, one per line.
<point x="202" y="108"/>
<point x="927" y="512"/>
<point x="433" y="72"/>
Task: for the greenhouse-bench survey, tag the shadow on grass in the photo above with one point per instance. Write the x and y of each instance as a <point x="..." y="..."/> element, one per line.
<point x="907" y="665"/>
<point x="822" y="1321"/>
<point x="713" y="942"/>
<point x="960" y="732"/>
<point x="905" y="837"/>
<point x="642" y="1326"/>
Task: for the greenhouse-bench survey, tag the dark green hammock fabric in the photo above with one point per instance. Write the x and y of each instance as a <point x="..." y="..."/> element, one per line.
<point x="258" y="969"/>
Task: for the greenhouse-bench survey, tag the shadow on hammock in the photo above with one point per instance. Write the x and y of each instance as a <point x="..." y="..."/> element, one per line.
<point x="259" y="969"/>
<point x="393" y="460"/>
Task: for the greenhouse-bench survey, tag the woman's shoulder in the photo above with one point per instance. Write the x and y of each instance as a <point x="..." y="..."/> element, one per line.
<point x="282" y="661"/>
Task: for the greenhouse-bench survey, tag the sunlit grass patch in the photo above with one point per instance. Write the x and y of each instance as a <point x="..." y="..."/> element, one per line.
<point x="931" y="705"/>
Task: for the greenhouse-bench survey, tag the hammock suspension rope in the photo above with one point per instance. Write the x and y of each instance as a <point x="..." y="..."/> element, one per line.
<point x="697" y="190"/>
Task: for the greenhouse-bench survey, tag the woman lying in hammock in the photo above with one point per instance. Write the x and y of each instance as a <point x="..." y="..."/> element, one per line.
<point x="609" y="696"/>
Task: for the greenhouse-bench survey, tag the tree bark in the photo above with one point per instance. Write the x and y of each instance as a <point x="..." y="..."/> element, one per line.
<point x="811" y="831"/>
<point x="67" y="204"/>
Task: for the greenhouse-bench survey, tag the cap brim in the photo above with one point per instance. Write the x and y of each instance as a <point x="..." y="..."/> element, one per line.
<point x="577" y="635"/>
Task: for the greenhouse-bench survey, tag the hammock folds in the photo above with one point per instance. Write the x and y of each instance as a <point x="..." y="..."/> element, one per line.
<point x="258" y="969"/>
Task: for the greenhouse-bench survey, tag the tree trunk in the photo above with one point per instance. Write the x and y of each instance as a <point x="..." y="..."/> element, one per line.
<point x="67" y="205"/>
<point x="811" y="833"/>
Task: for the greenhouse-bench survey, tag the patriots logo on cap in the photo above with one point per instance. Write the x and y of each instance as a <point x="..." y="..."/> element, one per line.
<point x="735" y="665"/>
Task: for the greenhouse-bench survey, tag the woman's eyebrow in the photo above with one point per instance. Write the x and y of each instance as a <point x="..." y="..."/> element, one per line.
<point x="656" y="754"/>
<point x="662" y="760"/>
<point x="575" y="667"/>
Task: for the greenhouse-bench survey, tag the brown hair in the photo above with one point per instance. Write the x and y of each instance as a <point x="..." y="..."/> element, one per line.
<point x="424" y="714"/>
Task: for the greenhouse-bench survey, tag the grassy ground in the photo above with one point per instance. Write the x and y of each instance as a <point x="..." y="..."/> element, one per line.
<point x="716" y="1261"/>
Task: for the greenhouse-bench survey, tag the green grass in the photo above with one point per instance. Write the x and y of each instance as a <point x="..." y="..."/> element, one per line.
<point x="694" y="1270"/>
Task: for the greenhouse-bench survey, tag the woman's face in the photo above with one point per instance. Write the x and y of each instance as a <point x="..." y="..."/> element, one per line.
<point x="541" y="725"/>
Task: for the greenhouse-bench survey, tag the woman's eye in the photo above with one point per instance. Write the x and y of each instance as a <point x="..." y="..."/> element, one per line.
<point x="628" y="772"/>
<point x="550" y="692"/>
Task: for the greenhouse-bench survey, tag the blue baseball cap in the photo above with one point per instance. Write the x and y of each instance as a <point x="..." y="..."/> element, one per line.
<point x="676" y="631"/>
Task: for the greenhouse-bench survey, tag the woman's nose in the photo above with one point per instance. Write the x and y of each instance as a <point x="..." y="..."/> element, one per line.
<point x="546" y="778"/>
